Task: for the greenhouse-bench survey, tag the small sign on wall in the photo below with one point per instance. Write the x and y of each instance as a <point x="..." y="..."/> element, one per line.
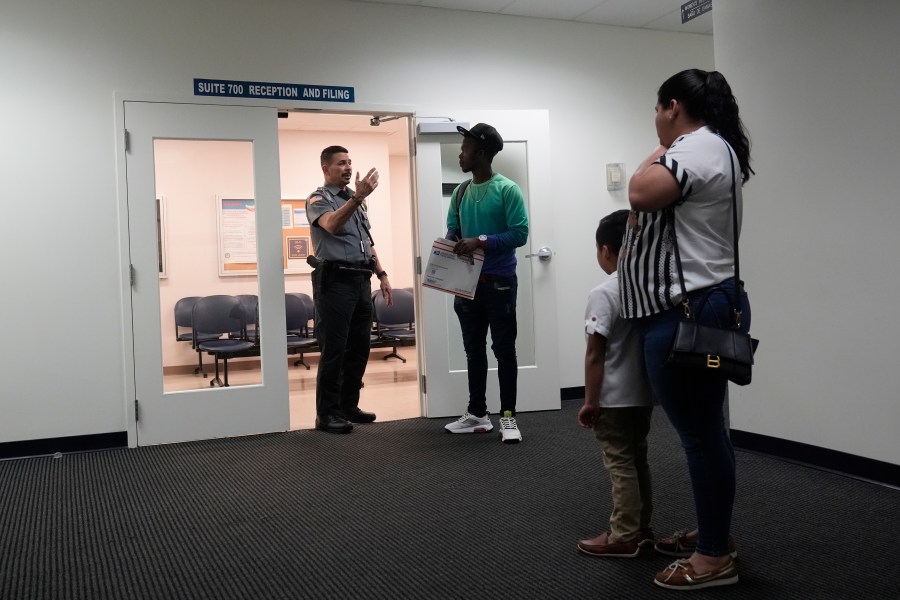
<point x="694" y="8"/>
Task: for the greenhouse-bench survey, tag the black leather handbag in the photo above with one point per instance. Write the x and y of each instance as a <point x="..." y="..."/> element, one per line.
<point x="724" y="350"/>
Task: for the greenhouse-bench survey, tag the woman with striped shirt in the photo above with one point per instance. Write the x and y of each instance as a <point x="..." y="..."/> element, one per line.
<point x="682" y="195"/>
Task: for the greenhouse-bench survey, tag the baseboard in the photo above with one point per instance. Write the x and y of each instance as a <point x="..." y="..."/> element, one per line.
<point x="572" y="393"/>
<point x="811" y="456"/>
<point x="76" y="443"/>
<point x="819" y="458"/>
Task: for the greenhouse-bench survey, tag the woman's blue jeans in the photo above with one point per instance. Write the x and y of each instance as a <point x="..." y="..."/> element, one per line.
<point x="694" y="402"/>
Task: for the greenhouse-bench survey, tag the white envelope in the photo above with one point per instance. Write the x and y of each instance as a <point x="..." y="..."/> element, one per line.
<point x="451" y="273"/>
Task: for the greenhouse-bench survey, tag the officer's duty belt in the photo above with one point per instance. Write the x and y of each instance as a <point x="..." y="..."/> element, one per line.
<point x="349" y="267"/>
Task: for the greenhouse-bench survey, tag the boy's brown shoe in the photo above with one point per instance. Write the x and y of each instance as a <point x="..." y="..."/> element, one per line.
<point x="601" y="546"/>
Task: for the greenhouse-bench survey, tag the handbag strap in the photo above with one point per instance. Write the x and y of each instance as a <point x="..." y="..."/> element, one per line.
<point x="737" y="263"/>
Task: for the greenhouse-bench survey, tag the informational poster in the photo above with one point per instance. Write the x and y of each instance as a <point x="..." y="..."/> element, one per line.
<point x="237" y="236"/>
<point x="300" y="219"/>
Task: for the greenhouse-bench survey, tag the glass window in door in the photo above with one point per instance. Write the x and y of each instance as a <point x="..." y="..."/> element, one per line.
<point x="208" y="258"/>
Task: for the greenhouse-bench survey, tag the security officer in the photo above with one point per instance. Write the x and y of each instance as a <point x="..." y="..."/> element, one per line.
<point x="345" y="260"/>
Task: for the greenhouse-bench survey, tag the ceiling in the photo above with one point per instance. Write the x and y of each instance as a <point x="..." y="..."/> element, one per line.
<point x="660" y="15"/>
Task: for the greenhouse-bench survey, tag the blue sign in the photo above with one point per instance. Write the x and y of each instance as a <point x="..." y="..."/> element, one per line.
<point x="276" y="91"/>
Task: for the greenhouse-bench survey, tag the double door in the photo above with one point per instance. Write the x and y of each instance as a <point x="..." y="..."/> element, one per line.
<point x="251" y="135"/>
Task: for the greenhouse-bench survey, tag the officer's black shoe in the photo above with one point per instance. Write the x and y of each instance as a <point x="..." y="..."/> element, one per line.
<point x="359" y="416"/>
<point x="333" y="424"/>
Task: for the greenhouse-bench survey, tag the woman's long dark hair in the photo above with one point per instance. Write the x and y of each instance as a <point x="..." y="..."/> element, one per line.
<point x="707" y="97"/>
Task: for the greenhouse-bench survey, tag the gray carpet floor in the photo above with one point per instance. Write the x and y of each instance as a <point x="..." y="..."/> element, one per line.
<point x="403" y="510"/>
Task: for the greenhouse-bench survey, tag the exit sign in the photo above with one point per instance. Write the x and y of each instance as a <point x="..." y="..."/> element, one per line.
<point x="693" y="9"/>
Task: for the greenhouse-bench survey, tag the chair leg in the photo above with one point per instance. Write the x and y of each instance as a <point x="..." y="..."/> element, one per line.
<point x="225" y="361"/>
<point x="199" y="370"/>
<point x="394" y="354"/>
<point x="214" y="381"/>
<point x="300" y="361"/>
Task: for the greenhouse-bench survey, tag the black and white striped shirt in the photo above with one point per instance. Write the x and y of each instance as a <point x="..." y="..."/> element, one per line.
<point x="700" y="221"/>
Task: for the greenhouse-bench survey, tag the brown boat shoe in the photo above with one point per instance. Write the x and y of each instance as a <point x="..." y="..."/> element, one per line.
<point x="680" y="544"/>
<point x="603" y="547"/>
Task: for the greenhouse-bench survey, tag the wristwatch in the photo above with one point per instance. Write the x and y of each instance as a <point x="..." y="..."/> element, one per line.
<point x="381" y="274"/>
<point x="482" y="240"/>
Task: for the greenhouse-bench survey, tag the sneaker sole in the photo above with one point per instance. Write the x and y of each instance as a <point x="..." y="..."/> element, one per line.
<point x="470" y="430"/>
<point x="512" y="440"/>
<point x="699" y="586"/>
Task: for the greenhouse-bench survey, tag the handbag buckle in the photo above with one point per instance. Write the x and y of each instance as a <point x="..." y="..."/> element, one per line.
<point x="713" y="361"/>
<point x="686" y="303"/>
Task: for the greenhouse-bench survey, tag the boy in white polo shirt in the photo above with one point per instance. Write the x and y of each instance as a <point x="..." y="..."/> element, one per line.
<point x="617" y="404"/>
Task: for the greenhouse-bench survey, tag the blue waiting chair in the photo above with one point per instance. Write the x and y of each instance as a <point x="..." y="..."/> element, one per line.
<point x="395" y="324"/>
<point x="220" y="315"/>
<point x="183" y="321"/>
<point x="297" y="317"/>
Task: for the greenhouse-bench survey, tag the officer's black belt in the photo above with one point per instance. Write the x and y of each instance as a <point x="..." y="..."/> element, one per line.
<point x="364" y="267"/>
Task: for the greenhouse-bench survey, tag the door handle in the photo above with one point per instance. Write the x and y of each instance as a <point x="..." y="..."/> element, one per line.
<point x="544" y="254"/>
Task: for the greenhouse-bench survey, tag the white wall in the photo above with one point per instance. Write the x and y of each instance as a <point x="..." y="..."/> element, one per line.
<point x="819" y="86"/>
<point x="64" y="61"/>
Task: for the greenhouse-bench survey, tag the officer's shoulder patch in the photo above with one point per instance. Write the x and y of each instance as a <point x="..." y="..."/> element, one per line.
<point x="314" y="198"/>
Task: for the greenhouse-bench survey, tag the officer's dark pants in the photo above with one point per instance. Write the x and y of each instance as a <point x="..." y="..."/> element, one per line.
<point x="343" y="324"/>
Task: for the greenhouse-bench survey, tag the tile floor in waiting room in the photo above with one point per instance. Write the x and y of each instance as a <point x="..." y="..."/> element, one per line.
<point x="391" y="388"/>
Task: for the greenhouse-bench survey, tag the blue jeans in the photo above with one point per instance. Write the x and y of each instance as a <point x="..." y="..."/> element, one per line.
<point x="694" y="402"/>
<point x="494" y="308"/>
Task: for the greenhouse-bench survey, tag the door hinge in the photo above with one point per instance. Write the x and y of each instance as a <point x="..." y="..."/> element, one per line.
<point x="127" y="141"/>
<point x="131" y="274"/>
<point x="424" y="385"/>
<point x="137" y="411"/>
<point x="418" y="265"/>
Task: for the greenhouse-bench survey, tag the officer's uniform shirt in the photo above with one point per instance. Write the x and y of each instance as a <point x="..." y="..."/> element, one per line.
<point x="352" y="243"/>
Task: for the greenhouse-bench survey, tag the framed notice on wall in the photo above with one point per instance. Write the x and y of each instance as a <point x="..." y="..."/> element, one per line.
<point x="296" y="242"/>
<point x="237" y="235"/>
<point x="236" y="219"/>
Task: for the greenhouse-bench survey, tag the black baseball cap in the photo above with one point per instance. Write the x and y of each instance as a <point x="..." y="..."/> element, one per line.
<point x="485" y="135"/>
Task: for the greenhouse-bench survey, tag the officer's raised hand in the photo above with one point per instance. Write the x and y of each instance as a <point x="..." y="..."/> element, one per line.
<point x="366" y="185"/>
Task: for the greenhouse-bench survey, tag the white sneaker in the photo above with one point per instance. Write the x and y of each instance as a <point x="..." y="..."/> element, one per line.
<point x="509" y="431"/>
<point x="470" y="424"/>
